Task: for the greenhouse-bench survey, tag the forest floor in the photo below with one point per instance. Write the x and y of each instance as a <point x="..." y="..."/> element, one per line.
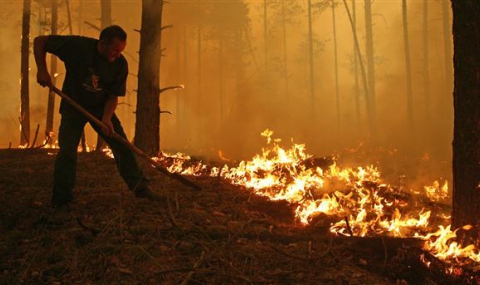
<point x="221" y="234"/>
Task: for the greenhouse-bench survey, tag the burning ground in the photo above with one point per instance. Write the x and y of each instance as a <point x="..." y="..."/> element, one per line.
<point x="283" y="217"/>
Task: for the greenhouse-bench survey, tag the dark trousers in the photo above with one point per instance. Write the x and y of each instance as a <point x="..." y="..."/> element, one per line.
<point x="69" y="134"/>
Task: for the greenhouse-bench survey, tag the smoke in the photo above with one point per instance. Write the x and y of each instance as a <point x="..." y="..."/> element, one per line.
<point x="237" y="84"/>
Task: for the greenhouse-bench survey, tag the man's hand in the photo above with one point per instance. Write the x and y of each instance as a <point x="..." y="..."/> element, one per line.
<point x="107" y="128"/>
<point x="44" y="79"/>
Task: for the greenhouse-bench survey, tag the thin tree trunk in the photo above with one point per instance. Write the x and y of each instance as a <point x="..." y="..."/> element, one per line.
<point x="408" y="68"/>
<point x="106" y="20"/>
<point x="221" y="79"/>
<point x="182" y="65"/>
<point x="184" y="115"/>
<point x="199" y="69"/>
<point x="426" y="79"/>
<point x="337" y="90"/>
<point x="24" y="65"/>
<point x="447" y="42"/>
<point x="70" y="29"/>
<point x="106" y="13"/>
<point x="147" y="125"/>
<point x="265" y="37"/>
<point x="178" y="99"/>
<point x="41" y="18"/>
<point x="53" y="71"/>
<point x="362" y="69"/>
<point x="83" y="141"/>
<point x="199" y="98"/>
<point x="80" y="17"/>
<point x="311" y="63"/>
<point x="355" y="66"/>
<point x="466" y="137"/>
<point x="285" y="55"/>
<point x="370" y="63"/>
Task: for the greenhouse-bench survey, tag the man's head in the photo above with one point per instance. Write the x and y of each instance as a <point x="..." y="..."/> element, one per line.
<point x="113" y="40"/>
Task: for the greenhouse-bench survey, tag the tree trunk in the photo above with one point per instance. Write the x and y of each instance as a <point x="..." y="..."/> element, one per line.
<point x="221" y="75"/>
<point x="53" y="71"/>
<point x="310" y="53"/>
<point x="408" y="67"/>
<point x="83" y="140"/>
<point x="147" y="125"/>
<point x="285" y="54"/>
<point x="106" y="20"/>
<point x="70" y="29"/>
<point x="181" y="63"/>
<point x="362" y="68"/>
<point x="337" y="91"/>
<point x="355" y="66"/>
<point x="183" y="101"/>
<point x="466" y="96"/>
<point x="42" y="19"/>
<point x="80" y="17"/>
<point x="198" y="94"/>
<point x="178" y="99"/>
<point x="426" y="79"/>
<point x="106" y="13"/>
<point x="447" y="36"/>
<point x="370" y="64"/>
<point x="199" y="67"/>
<point x="265" y="38"/>
<point x="24" y="90"/>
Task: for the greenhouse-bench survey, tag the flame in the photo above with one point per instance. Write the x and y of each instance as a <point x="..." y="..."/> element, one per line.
<point x="282" y="174"/>
<point x="357" y="198"/>
<point x="442" y="245"/>
<point x="435" y="192"/>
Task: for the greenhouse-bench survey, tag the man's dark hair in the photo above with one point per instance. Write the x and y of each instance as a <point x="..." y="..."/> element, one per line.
<point x="113" y="32"/>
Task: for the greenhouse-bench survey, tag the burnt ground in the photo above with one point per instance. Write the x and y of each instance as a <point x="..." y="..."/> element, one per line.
<point x="221" y="234"/>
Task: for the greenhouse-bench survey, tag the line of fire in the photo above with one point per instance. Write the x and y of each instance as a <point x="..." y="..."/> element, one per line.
<point x="292" y="142"/>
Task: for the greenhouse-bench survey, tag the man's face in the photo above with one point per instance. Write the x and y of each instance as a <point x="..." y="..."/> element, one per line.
<point x="111" y="50"/>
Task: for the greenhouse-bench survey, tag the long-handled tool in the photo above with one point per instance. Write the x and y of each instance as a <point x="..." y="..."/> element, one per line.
<point x="125" y="142"/>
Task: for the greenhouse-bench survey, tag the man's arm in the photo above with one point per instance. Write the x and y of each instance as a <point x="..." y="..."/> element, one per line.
<point x="39" y="52"/>
<point x="108" y="112"/>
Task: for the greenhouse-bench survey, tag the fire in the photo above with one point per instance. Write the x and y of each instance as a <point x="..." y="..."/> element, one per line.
<point x="442" y="244"/>
<point x="435" y="192"/>
<point x="357" y="198"/>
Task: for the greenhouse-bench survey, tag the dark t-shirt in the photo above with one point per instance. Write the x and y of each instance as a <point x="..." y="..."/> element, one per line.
<point x="90" y="79"/>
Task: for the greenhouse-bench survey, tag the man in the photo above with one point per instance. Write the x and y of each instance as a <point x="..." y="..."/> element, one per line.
<point x="96" y="74"/>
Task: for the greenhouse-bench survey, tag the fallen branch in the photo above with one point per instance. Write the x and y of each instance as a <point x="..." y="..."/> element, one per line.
<point x="36" y="135"/>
